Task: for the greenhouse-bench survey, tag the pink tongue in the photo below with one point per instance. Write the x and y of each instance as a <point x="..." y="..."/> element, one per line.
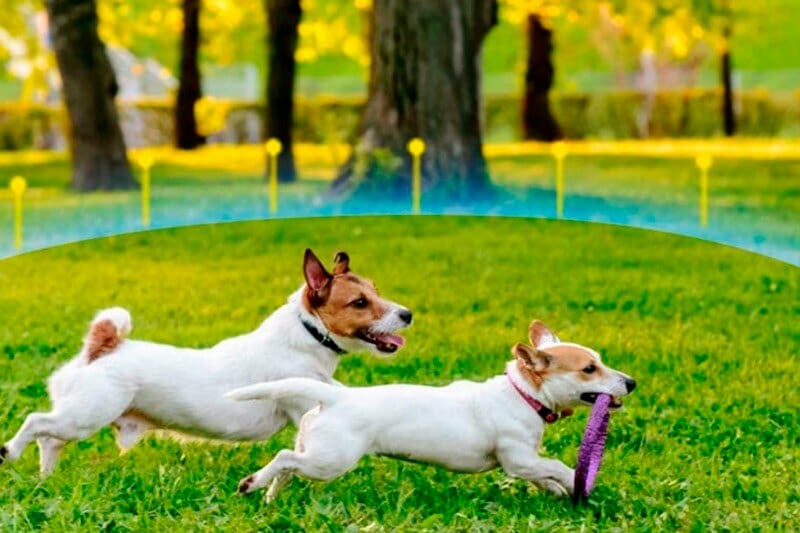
<point x="388" y="338"/>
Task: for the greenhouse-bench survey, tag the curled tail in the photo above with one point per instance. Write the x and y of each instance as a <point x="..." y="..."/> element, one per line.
<point x="109" y="328"/>
<point x="290" y="389"/>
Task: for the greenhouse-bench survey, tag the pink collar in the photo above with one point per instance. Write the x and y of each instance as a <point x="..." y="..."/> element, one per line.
<point x="547" y="414"/>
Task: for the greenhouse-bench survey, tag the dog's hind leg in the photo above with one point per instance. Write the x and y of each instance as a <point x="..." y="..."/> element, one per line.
<point x="49" y="451"/>
<point x="320" y="466"/>
<point x="73" y="417"/>
<point x="280" y="481"/>
<point x="129" y="428"/>
<point x="42" y="425"/>
<point x="284" y="463"/>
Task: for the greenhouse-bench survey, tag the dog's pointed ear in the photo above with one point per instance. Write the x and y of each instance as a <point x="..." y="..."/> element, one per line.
<point x="317" y="278"/>
<point x="341" y="263"/>
<point x="532" y="359"/>
<point x="540" y="334"/>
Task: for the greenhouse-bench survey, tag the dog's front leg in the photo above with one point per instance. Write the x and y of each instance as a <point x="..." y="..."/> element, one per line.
<point x="549" y="474"/>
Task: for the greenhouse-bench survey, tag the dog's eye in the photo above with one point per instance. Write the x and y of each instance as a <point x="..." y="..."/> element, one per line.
<point x="361" y="303"/>
<point x="589" y="369"/>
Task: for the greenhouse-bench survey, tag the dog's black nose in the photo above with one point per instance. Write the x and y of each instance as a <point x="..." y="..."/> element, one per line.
<point x="630" y="384"/>
<point x="406" y="316"/>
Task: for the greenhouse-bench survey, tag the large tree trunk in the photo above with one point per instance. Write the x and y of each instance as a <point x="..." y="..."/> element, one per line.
<point x="88" y="87"/>
<point x="189" y="89"/>
<point x="537" y="120"/>
<point x="283" y="17"/>
<point x="728" y="118"/>
<point x="425" y="82"/>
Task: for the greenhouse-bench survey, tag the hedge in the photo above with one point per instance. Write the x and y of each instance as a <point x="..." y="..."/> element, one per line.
<point x="616" y="115"/>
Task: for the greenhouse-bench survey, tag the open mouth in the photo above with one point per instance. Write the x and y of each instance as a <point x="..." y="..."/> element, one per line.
<point x="591" y="397"/>
<point x="384" y="342"/>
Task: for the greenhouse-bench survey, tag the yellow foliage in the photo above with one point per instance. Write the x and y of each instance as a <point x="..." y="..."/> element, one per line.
<point x="174" y="19"/>
<point x="353" y="46"/>
<point x="305" y="55"/>
<point x="516" y="12"/>
<point x="211" y="115"/>
<point x="327" y="36"/>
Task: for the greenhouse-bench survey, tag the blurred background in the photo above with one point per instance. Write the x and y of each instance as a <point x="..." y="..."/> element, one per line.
<point x="681" y="115"/>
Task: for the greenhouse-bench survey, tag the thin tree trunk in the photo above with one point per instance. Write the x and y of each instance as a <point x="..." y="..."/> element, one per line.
<point x="88" y="88"/>
<point x="728" y="117"/>
<point x="189" y="88"/>
<point x="283" y="17"/>
<point x="425" y="82"/>
<point x="537" y="120"/>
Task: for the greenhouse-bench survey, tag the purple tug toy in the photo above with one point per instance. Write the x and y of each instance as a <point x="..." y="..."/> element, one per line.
<point x="590" y="454"/>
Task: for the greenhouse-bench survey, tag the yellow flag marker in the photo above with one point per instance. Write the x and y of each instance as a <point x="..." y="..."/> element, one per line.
<point x="18" y="186"/>
<point x="704" y="163"/>
<point x="416" y="147"/>
<point x="146" y="162"/>
<point x="559" y="153"/>
<point x="273" y="147"/>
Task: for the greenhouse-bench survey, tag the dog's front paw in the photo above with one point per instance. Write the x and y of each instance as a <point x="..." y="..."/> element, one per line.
<point x="246" y="485"/>
<point x="568" y="481"/>
<point x="555" y="487"/>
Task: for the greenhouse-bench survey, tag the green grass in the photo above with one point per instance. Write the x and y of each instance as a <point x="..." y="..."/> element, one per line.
<point x="707" y="441"/>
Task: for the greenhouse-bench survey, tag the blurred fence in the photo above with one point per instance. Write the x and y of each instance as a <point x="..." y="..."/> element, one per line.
<point x="225" y="182"/>
<point x="615" y="115"/>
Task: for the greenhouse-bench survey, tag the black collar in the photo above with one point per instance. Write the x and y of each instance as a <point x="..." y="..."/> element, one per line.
<point x="323" y="339"/>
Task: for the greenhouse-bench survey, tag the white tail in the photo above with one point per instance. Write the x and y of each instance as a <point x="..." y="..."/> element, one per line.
<point x="109" y="328"/>
<point x="290" y="389"/>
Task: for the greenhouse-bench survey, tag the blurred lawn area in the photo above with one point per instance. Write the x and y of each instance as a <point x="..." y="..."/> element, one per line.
<point x="747" y="184"/>
<point x="753" y="203"/>
<point x="772" y="184"/>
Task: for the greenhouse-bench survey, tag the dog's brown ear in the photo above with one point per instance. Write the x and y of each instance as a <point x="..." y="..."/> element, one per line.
<point x="539" y="334"/>
<point x="317" y="278"/>
<point x="341" y="263"/>
<point x="532" y="359"/>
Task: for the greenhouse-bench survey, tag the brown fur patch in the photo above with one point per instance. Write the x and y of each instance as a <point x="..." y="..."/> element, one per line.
<point x="101" y="340"/>
<point x="341" y="263"/>
<point x="537" y="331"/>
<point x="571" y="358"/>
<point x="533" y="377"/>
<point x="532" y="363"/>
<point x="339" y="312"/>
<point x="561" y="359"/>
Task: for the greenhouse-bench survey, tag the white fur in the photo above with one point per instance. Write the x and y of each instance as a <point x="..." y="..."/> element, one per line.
<point x="465" y="426"/>
<point x="143" y="385"/>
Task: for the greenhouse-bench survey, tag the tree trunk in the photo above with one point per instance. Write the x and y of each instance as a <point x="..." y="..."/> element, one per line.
<point x="283" y="17"/>
<point x="728" y="118"/>
<point x="189" y="89"/>
<point x="88" y="87"/>
<point x="537" y="120"/>
<point x="424" y="82"/>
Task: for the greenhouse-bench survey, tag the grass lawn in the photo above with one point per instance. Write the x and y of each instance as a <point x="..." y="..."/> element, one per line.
<point x="707" y="441"/>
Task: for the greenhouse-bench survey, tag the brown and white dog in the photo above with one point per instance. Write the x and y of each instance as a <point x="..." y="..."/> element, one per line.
<point x="138" y="386"/>
<point x="465" y="426"/>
